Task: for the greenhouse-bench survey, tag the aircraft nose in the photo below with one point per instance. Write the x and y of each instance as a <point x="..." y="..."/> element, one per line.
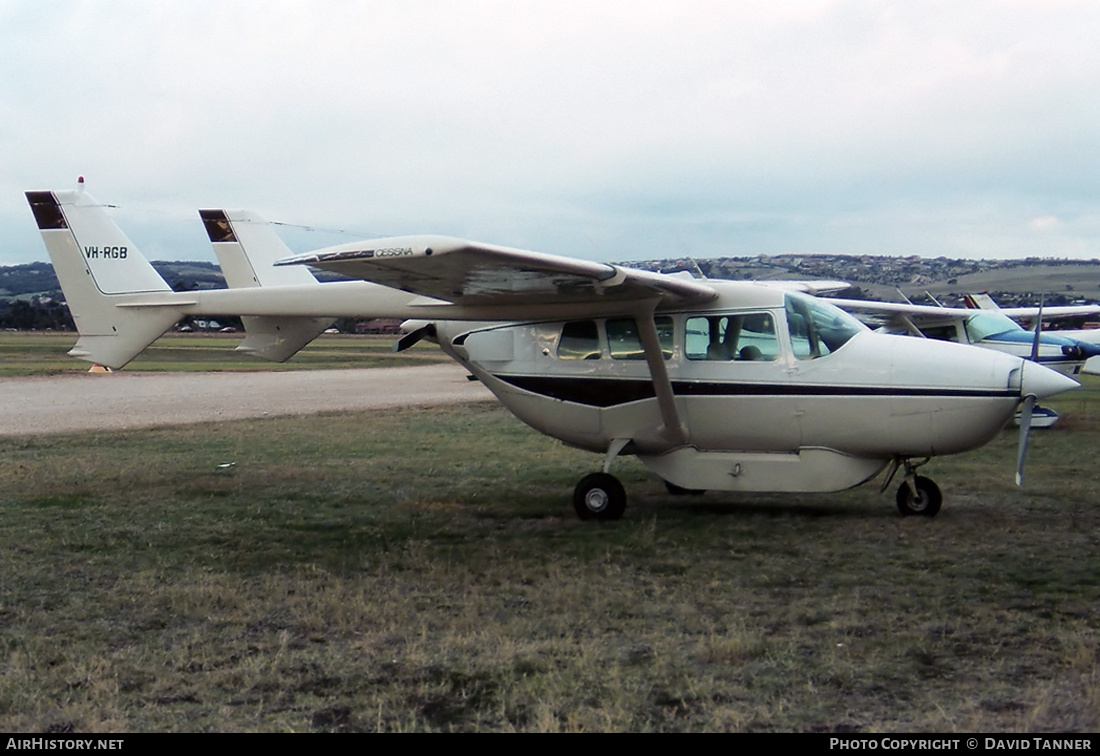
<point x="1041" y="382"/>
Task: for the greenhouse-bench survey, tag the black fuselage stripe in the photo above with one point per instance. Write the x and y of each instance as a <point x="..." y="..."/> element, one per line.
<point x="609" y="392"/>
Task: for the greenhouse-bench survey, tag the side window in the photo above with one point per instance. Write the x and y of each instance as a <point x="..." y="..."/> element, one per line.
<point x="580" y="340"/>
<point x="817" y="328"/>
<point x="625" y="343"/>
<point x="743" y="338"/>
<point x="941" y="333"/>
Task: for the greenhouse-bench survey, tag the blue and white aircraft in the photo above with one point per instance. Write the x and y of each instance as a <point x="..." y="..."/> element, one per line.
<point x="1030" y="315"/>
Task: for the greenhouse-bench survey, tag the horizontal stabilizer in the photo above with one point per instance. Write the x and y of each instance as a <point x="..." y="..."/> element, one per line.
<point x="279" y="338"/>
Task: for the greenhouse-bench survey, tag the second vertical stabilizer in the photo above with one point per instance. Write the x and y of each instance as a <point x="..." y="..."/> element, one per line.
<point x="247" y="248"/>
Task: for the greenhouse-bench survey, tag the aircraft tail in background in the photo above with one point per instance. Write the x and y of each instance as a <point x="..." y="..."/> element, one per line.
<point x="980" y="302"/>
<point x="247" y="248"/>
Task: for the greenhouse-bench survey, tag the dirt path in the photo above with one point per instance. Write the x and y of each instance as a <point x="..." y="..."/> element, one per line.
<point x="64" y="403"/>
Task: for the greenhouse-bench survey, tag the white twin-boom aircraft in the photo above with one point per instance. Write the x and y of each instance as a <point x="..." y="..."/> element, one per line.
<point x="713" y="385"/>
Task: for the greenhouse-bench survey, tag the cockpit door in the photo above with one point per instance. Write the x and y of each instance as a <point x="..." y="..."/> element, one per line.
<point x="734" y="381"/>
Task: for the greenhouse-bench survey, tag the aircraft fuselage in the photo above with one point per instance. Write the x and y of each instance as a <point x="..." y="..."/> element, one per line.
<point x="766" y="401"/>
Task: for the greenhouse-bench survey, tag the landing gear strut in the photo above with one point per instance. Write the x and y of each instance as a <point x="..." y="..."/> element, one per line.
<point x="599" y="496"/>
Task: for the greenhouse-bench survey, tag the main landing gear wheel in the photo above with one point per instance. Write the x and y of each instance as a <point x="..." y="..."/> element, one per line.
<point x="927" y="500"/>
<point x="599" y="496"/>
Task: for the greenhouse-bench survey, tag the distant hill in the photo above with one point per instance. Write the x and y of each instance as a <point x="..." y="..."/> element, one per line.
<point x="188" y="276"/>
<point x="38" y="279"/>
<point x="875" y="276"/>
<point x="1011" y="282"/>
<point x="26" y="280"/>
<point x="31" y="298"/>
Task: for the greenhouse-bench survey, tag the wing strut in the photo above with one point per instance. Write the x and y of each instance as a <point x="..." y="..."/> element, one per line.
<point x="912" y="327"/>
<point x="673" y="429"/>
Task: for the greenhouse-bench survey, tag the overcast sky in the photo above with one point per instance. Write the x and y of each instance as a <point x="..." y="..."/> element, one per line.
<point x="604" y="130"/>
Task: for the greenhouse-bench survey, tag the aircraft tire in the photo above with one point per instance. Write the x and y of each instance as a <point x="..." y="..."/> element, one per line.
<point x="927" y="502"/>
<point x="599" y="496"/>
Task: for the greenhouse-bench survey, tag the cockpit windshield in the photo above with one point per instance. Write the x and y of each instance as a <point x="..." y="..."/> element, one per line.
<point x="988" y="323"/>
<point x="818" y="328"/>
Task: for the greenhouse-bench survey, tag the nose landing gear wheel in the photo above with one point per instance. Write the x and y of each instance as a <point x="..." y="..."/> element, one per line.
<point x="927" y="500"/>
<point x="599" y="496"/>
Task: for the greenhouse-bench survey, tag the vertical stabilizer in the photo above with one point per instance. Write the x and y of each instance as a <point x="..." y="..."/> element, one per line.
<point x="99" y="269"/>
<point x="247" y="248"/>
<point x="980" y="302"/>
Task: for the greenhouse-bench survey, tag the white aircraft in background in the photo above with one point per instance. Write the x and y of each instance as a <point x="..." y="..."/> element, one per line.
<point x="981" y="327"/>
<point x="713" y="385"/>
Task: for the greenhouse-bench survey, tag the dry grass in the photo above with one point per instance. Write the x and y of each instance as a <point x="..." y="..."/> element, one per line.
<point x="421" y="570"/>
<point x="37" y="353"/>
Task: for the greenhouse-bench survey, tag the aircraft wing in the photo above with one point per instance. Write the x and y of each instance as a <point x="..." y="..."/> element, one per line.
<point x="932" y="311"/>
<point x="469" y="273"/>
<point x="902" y="317"/>
<point x="927" y="312"/>
<point x="816" y="288"/>
<point x="1050" y="313"/>
<point x="985" y="302"/>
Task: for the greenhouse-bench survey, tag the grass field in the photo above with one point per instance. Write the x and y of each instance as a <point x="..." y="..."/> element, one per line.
<point x="421" y="570"/>
<point x="37" y="353"/>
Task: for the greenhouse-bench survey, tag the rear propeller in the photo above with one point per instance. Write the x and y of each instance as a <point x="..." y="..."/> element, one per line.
<point x="412" y="337"/>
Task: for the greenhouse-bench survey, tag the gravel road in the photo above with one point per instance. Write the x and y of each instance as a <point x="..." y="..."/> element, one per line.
<point x="88" y="401"/>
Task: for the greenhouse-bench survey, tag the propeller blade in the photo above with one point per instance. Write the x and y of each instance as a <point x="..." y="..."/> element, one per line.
<point x="412" y="337"/>
<point x="1025" y="432"/>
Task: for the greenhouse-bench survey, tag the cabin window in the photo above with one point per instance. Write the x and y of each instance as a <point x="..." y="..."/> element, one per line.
<point x="625" y="343"/>
<point x="817" y="328"/>
<point x="941" y="333"/>
<point x="742" y="338"/>
<point x="580" y="340"/>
